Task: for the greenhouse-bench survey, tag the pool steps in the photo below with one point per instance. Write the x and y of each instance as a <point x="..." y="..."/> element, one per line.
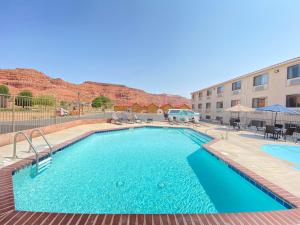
<point x="44" y="164"/>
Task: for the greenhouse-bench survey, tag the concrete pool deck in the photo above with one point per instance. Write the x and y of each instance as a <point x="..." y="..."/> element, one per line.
<point x="242" y="147"/>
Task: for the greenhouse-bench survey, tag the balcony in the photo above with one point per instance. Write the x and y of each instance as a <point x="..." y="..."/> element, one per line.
<point x="220" y="95"/>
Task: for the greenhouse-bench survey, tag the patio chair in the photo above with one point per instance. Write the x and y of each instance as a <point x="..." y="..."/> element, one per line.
<point x="280" y="126"/>
<point x="235" y="123"/>
<point x="289" y="132"/>
<point x="259" y="129"/>
<point x="271" y="130"/>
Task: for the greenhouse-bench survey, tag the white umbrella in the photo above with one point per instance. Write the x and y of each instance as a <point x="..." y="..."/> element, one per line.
<point x="239" y="108"/>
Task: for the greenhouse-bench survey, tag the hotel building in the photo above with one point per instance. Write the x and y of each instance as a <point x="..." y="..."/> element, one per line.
<point x="276" y="84"/>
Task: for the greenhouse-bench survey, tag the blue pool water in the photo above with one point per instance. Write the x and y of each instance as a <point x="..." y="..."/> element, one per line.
<point x="290" y="153"/>
<point x="144" y="170"/>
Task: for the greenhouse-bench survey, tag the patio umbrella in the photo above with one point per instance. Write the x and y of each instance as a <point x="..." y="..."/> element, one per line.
<point x="239" y="108"/>
<point x="278" y="109"/>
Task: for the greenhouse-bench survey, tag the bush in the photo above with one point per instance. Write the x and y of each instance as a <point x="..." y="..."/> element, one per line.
<point x="24" y="99"/>
<point x="44" y="100"/>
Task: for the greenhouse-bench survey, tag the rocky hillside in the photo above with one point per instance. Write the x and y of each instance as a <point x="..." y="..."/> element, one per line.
<point x="41" y="84"/>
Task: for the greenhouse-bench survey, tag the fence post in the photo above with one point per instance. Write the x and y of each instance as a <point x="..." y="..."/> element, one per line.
<point x="78" y="99"/>
<point x="55" y="111"/>
<point x="13" y="114"/>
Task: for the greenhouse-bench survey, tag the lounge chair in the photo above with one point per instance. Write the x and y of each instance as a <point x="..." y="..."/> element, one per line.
<point x="136" y="119"/>
<point x="115" y="119"/>
<point x="129" y="119"/>
<point x="289" y="132"/>
<point x="149" y="120"/>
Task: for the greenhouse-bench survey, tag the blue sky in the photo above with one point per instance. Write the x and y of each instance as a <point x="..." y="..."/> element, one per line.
<point x="160" y="46"/>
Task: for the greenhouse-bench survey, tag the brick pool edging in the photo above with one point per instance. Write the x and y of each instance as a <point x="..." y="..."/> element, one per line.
<point x="9" y="215"/>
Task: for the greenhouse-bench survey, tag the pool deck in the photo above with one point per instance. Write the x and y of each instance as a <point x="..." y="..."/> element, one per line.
<point x="240" y="148"/>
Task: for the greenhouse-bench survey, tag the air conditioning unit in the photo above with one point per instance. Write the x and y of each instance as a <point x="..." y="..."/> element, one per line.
<point x="294" y="81"/>
<point x="236" y="92"/>
<point x="260" y="87"/>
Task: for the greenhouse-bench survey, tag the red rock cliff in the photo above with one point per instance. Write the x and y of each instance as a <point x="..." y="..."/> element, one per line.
<point x="41" y="84"/>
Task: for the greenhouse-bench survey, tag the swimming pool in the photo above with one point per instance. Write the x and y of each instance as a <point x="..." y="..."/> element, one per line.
<point x="289" y="153"/>
<point x="143" y="170"/>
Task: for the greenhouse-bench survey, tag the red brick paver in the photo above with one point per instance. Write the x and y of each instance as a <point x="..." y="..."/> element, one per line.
<point x="10" y="216"/>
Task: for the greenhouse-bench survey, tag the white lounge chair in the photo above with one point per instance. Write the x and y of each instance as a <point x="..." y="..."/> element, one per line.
<point x="115" y="119"/>
<point x="136" y="119"/>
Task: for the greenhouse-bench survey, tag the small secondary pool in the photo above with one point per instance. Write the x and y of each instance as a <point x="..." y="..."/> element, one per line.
<point x="143" y="170"/>
<point x="290" y="153"/>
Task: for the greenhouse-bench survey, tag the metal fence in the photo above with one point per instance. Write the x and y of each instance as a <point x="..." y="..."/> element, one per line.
<point x="25" y="112"/>
<point x="260" y="119"/>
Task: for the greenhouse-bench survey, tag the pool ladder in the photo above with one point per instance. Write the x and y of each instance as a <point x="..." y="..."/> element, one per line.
<point x="40" y="165"/>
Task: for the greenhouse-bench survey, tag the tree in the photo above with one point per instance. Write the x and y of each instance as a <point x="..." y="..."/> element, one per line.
<point x="24" y="98"/>
<point x="101" y="102"/>
<point x="4" y="90"/>
<point x="4" y="95"/>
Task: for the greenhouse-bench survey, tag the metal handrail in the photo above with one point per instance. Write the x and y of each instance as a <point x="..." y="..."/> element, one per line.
<point x="43" y="136"/>
<point x="30" y="143"/>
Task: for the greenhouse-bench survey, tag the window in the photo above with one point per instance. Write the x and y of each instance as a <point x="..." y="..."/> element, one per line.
<point x="293" y="71"/>
<point x="293" y="101"/>
<point x="200" y="95"/>
<point x="237" y="85"/>
<point x="193" y="106"/>
<point x="258" y="102"/>
<point x="235" y="102"/>
<point x="208" y="105"/>
<point x="219" y="118"/>
<point x="209" y="92"/>
<point x="207" y="117"/>
<point x="220" y="90"/>
<point x="200" y="106"/>
<point x="260" y="80"/>
<point x="176" y="111"/>
<point x="219" y="105"/>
